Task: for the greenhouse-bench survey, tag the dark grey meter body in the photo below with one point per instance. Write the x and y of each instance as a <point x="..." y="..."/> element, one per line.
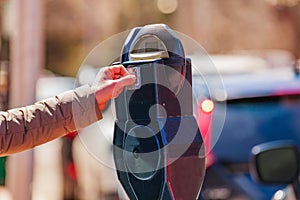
<point x="158" y="148"/>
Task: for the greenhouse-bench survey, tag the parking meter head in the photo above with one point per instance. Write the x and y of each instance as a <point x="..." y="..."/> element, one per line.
<point x="156" y="140"/>
<point x="156" y="56"/>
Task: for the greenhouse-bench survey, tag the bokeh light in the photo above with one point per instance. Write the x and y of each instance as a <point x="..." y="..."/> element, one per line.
<point x="167" y="6"/>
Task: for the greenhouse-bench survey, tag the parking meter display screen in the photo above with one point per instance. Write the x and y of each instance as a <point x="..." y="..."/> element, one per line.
<point x="148" y="47"/>
<point x="151" y="46"/>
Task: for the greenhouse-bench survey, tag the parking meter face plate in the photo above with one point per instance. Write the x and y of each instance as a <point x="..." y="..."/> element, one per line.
<point x="157" y="140"/>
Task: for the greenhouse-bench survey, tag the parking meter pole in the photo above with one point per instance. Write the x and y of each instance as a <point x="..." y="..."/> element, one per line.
<point x="26" y="61"/>
<point x="157" y="143"/>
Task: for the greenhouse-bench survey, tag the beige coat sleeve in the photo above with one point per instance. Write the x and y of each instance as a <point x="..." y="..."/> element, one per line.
<point x="24" y="128"/>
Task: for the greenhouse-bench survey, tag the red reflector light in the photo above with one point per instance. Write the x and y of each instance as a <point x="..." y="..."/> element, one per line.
<point x="207" y="106"/>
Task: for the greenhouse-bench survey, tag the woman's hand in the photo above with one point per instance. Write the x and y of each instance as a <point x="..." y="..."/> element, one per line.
<point x="110" y="82"/>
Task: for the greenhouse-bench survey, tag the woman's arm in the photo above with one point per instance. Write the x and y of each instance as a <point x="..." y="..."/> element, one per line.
<point x="24" y="128"/>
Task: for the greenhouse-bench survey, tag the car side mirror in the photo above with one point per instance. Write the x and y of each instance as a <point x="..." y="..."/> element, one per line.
<point x="275" y="162"/>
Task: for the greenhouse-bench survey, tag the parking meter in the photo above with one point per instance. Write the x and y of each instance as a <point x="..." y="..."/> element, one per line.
<point x="158" y="148"/>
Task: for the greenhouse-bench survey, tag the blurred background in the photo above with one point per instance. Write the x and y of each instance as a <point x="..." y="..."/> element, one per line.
<point x="51" y="38"/>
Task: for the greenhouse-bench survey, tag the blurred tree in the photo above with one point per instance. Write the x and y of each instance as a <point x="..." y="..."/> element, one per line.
<point x="74" y="27"/>
<point x="63" y="36"/>
<point x="139" y="13"/>
<point x="224" y="26"/>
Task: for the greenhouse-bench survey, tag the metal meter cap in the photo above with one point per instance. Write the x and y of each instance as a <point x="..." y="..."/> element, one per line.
<point x="155" y="41"/>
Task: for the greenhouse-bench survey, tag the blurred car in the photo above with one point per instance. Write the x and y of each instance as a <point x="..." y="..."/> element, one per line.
<point x="255" y="102"/>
